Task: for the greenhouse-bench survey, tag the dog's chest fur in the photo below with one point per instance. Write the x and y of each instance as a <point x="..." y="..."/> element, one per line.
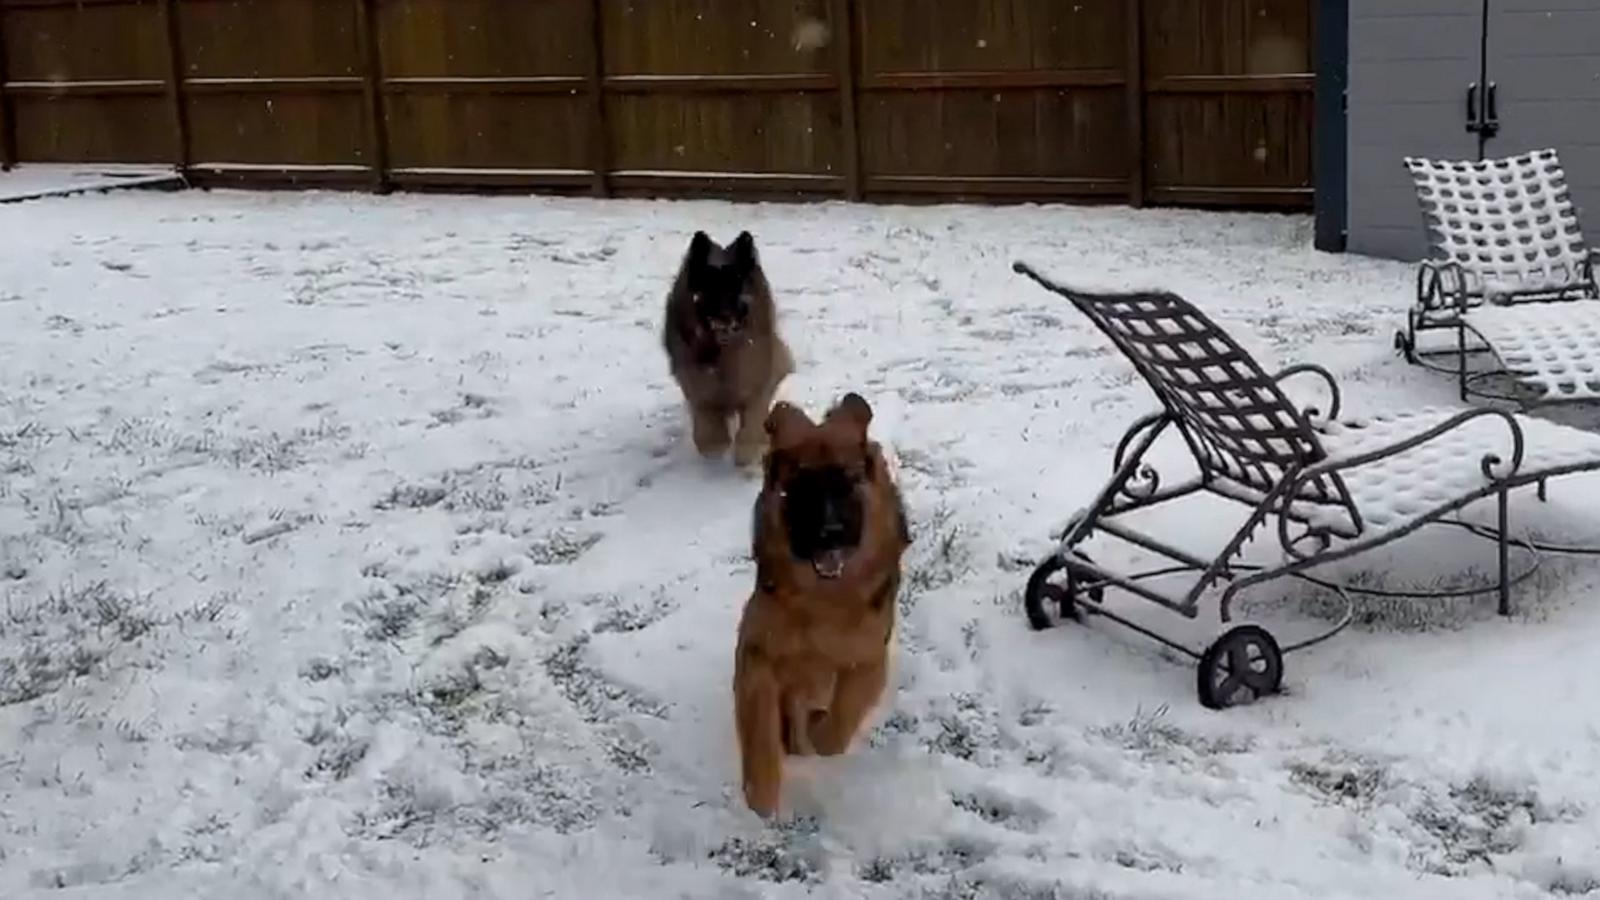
<point x="733" y="374"/>
<point x="823" y="624"/>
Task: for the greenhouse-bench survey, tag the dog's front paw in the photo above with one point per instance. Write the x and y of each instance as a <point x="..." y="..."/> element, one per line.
<point x="710" y="434"/>
<point x="711" y="449"/>
<point x="748" y="452"/>
<point x="761" y="798"/>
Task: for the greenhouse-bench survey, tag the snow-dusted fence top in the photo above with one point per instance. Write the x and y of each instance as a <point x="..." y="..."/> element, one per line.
<point x="858" y="98"/>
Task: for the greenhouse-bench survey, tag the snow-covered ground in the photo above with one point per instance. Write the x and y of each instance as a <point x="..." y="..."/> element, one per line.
<point x="354" y="547"/>
<point x="33" y="180"/>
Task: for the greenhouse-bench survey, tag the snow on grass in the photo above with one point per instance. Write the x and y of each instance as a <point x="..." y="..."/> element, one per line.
<point x="354" y="547"/>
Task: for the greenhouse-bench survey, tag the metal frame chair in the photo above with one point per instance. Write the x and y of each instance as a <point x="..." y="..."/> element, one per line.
<point x="1336" y="487"/>
<point x="1503" y="233"/>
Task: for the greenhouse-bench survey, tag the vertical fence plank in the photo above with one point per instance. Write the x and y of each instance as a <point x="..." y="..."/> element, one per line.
<point x="8" y="137"/>
<point x="843" y="16"/>
<point x="1133" y="63"/>
<point x="902" y="102"/>
<point x="180" y="116"/>
<point x="599" y="136"/>
<point x="372" y="95"/>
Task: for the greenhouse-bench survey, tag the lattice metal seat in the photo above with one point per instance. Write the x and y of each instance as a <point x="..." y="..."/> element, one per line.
<point x="1502" y="232"/>
<point x="1552" y="348"/>
<point x="1335" y="486"/>
<point x="1392" y="490"/>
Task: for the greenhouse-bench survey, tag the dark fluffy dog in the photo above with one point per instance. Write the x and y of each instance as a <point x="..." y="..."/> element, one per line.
<point x="829" y="533"/>
<point x="722" y="343"/>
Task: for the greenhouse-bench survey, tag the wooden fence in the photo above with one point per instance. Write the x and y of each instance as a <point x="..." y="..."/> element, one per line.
<point x="1194" y="102"/>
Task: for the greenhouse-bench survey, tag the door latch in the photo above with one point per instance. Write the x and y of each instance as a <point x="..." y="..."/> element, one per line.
<point x="1483" y="116"/>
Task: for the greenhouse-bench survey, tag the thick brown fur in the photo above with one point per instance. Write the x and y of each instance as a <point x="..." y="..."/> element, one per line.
<point x="812" y="655"/>
<point x="735" y="380"/>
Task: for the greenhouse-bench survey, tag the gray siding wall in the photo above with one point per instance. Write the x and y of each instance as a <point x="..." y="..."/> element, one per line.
<point x="1545" y="56"/>
<point x="1410" y="64"/>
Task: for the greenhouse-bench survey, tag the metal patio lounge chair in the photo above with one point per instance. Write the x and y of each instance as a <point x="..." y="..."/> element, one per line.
<point x="1507" y="257"/>
<point x="1336" y="487"/>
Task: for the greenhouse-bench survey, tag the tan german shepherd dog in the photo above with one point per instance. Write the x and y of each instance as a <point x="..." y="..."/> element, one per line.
<point x="829" y="532"/>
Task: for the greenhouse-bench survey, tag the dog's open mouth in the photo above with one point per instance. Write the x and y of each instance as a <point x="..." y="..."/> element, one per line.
<point x="830" y="563"/>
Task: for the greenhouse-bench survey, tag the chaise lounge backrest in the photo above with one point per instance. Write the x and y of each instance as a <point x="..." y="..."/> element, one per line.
<point x="1509" y="224"/>
<point x="1244" y="431"/>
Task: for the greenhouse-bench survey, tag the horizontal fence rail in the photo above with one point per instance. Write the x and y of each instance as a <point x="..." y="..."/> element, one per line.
<point x="1161" y="101"/>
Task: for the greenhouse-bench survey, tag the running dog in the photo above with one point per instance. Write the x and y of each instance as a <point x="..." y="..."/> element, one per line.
<point x="723" y="347"/>
<point x="828" y="536"/>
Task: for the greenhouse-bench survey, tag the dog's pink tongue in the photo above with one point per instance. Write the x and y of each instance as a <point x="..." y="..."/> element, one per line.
<point x="830" y="563"/>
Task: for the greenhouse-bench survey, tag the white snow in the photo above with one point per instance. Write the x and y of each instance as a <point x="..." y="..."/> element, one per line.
<point x="730" y="176"/>
<point x="123" y="84"/>
<point x="465" y="170"/>
<point x="353" y="547"/>
<point x="29" y="181"/>
<point x="275" y="80"/>
<point x="1553" y="348"/>
<point x="279" y="167"/>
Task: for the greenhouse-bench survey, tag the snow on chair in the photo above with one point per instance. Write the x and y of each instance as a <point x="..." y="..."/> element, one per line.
<point x="1506" y="248"/>
<point x="1336" y="487"/>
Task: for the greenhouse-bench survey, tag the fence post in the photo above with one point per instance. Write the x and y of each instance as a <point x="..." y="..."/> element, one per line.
<point x="8" y="137"/>
<point x="599" y="136"/>
<point x="1134" y="63"/>
<point x="372" y="96"/>
<point x="180" y="116"/>
<point x="1330" y="128"/>
<point x="843" y="14"/>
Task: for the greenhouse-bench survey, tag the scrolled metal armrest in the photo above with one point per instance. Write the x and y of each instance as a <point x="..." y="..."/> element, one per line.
<point x="1145" y="480"/>
<point x="1162" y="418"/>
<point x="1311" y="412"/>
<point x="1459" y="276"/>
<point x="1442" y="283"/>
<point x="1489" y="464"/>
<point x="1427" y="282"/>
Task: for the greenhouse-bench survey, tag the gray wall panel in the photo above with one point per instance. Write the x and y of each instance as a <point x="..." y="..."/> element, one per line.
<point x="1410" y="64"/>
<point x="1545" y="57"/>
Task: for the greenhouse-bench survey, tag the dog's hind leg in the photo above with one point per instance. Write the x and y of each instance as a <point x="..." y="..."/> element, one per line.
<point x="758" y="717"/>
<point x="855" y="692"/>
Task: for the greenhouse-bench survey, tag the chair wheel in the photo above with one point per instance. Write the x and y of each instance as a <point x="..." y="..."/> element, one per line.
<point x="1406" y="345"/>
<point x="1242" y="666"/>
<point x="1042" y="593"/>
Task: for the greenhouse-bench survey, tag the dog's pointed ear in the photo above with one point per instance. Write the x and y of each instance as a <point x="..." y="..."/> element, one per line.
<point x="853" y="409"/>
<point x="784" y="421"/>
<point x="699" y="249"/>
<point x="743" y="252"/>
